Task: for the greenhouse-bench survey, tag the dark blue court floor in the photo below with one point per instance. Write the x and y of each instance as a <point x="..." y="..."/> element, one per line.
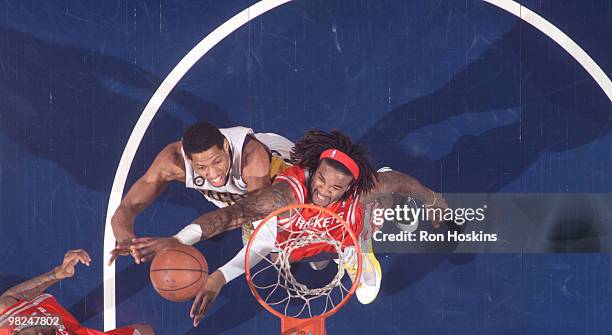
<point x="460" y="94"/>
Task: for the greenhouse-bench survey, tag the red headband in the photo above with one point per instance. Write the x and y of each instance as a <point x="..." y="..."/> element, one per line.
<point x="344" y="159"/>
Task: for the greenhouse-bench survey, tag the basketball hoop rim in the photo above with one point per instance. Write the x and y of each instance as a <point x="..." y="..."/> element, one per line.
<point x="357" y="250"/>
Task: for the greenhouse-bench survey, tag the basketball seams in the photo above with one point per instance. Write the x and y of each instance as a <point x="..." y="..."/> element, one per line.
<point x="202" y="266"/>
<point x="175" y="276"/>
<point x="179" y="288"/>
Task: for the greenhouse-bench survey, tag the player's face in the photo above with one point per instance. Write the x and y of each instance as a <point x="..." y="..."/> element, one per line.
<point x="212" y="164"/>
<point x="327" y="185"/>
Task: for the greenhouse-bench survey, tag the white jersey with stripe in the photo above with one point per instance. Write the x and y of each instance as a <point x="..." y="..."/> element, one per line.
<point x="235" y="188"/>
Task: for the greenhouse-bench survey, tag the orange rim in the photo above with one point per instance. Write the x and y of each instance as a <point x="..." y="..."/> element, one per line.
<point x="355" y="243"/>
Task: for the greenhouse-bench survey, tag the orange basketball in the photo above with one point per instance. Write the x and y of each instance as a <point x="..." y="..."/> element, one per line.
<point x="178" y="273"/>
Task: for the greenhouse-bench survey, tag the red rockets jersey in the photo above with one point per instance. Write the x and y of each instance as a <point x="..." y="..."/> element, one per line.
<point x="349" y="210"/>
<point x="46" y="306"/>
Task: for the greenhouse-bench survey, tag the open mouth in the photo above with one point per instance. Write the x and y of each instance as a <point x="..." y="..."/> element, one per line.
<point x="217" y="180"/>
<point x="320" y="198"/>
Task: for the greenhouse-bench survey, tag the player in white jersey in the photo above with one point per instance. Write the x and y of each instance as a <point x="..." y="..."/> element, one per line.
<point x="225" y="189"/>
<point x="329" y="171"/>
<point x="223" y="164"/>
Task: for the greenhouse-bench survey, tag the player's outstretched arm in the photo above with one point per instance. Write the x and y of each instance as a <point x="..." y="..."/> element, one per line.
<point x="165" y="168"/>
<point x="397" y="182"/>
<point x="262" y="245"/>
<point x="254" y="207"/>
<point x="32" y="288"/>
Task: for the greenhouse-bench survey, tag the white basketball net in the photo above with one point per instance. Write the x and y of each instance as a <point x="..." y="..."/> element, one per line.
<point x="296" y="292"/>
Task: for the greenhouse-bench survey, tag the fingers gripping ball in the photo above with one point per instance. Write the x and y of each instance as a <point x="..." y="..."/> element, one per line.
<point x="177" y="273"/>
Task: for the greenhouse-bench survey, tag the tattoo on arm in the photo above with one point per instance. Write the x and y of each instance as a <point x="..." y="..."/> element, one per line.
<point x="254" y="207"/>
<point x="30" y="289"/>
<point x="397" y="182"/>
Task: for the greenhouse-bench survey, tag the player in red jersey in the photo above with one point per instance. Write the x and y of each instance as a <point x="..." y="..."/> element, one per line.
<point x="347" y="207"/>
<point x="26" y="310"/>
<point x="329" y="171"/>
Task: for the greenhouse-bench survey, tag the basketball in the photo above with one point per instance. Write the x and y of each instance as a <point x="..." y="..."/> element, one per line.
<point x="178" y="273"/>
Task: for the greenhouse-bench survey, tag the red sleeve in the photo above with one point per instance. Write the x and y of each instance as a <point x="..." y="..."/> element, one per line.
<point x="44" y="304"/>
<point x="295" y="176"/>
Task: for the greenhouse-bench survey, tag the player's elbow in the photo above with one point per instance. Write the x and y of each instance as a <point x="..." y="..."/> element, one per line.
<point x="397" y="182"/>
<point x="7" y="299"/>
<point x="5" y="295"/>
<point x="4" y="306"/>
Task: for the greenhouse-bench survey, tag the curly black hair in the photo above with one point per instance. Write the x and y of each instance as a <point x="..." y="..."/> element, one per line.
<point x="307" y="150"/>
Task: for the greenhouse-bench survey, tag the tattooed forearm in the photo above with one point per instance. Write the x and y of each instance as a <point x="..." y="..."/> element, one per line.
<point x="254" y="207"/>
<point x="397" y="182"/>
<point x="30" y="289"/>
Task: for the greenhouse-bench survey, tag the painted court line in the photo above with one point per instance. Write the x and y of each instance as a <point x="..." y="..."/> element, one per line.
<point x="219" y="34"/>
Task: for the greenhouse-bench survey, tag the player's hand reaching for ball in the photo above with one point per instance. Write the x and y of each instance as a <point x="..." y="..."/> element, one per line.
<point x="124" y="234"/>
<point x="205" y="297"/>
<point x="143" y="249"/>
<point x="71" y="258"/>
<point x="121" y="249"/>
